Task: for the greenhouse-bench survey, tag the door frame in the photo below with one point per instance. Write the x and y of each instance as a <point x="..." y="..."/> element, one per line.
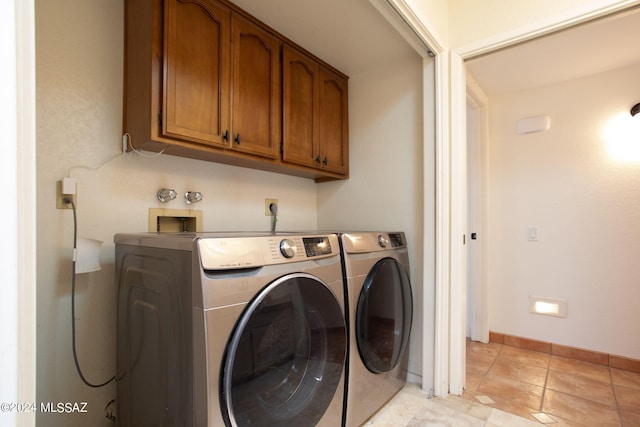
<point x="17" y="115"/>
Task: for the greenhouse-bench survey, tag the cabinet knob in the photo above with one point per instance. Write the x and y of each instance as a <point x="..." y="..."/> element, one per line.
<point x="318" y="159"/>
<point x="237" y="139"/>
<point x="225" y="135"/>
<point x="324" y="161"/>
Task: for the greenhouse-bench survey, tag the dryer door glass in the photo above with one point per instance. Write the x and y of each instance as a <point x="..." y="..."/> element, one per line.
<point x="383" y="316"/>
<point x="285" y="358"/>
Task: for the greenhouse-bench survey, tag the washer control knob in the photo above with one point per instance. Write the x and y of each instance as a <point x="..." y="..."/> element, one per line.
<point x="287" y="248"/>
<point x="383" y="241"/>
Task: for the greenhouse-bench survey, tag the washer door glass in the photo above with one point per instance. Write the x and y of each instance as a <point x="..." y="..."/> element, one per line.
<point x="285" y="358"/>
<point x="383" y="316"/>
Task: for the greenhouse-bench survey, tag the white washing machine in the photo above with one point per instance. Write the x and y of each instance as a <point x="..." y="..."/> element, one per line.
<point x="380" y="310"/>
<point x="230" y="330"/>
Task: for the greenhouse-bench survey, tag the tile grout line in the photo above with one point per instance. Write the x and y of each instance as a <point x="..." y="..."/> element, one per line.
<point x="615" y="396"/>
<point x="546" y="381"/>
<point x="486" y="373"/>
<point x="491" y="366"/>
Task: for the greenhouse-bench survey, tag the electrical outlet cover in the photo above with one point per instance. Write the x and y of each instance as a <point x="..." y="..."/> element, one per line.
<point x="60" y="204"/>
<point x="267" y="203"/>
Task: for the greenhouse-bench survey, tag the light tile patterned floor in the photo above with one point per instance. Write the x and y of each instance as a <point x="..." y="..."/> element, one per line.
<point x="411" y="407"/>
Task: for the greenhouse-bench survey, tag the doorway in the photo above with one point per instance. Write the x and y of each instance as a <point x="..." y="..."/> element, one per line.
<point x="461" y="109"/>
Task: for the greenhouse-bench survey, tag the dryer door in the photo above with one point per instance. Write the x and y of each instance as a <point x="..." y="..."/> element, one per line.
<point x="284" y="361"/>
<point x="383" y="316"/>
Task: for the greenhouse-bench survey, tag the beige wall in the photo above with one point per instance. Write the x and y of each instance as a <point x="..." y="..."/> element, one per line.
<point x="436" y="17"/>
<point x="472" y="21"/>
<point x="585" y="206"/>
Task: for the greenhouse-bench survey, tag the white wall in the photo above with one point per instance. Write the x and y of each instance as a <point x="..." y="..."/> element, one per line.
<point x="385" y="191"/>
<point x="586" y="208"/>
<point x="79" y="123"/>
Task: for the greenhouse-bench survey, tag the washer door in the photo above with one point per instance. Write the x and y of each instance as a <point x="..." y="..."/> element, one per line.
<point x="284" y="361"/>
<point x="383" y="316"/>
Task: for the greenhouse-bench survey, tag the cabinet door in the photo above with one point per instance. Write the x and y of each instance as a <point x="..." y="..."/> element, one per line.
<point x="196" y="71"/>
<point x="255" y="84"/>
<point x="333" y="122"/>
<point x="300" y="105"/>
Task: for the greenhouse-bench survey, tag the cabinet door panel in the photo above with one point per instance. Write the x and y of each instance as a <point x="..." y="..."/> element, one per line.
<point x="300" y="108"/>
<point x="255" y="121"/>
<point x="196" y="77"/>
<point x="333" y="122"/>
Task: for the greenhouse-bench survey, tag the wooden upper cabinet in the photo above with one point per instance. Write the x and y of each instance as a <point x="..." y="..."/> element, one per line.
<point x="315" y="111"/>
<point x="334" y="122"/>
<point x="205" y="80"/>
<point x="300" y="108"/>
<point x="197" y="57"/>
<point x="255" y="87"/>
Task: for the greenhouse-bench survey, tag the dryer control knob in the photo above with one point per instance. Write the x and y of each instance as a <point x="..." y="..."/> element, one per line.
<point x="287" y="248"/>
<point x="383" y="241"/>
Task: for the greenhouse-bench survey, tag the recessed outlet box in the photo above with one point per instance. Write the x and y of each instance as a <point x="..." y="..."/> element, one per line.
<point x="267" y="206"/>
<point x="60" y="204"/>
<point x="175" y="220"/>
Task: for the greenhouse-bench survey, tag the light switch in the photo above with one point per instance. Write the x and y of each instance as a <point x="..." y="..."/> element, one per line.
<point x="532" y="234"/>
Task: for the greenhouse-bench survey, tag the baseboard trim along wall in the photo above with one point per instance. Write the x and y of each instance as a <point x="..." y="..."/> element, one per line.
<point x="613" y="361"/>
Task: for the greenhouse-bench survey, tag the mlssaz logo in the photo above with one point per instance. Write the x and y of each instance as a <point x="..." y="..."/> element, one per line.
<point x="64" y="407"/>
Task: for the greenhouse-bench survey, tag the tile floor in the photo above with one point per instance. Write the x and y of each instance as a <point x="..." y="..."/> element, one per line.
<point x="509" y="386"/>
<point x="550" y="389"/>
<point x="411" y="407"/>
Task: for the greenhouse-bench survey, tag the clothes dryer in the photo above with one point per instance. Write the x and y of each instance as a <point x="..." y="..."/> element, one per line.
<point x="230" y="330"/>
<point x="380" y="310"/>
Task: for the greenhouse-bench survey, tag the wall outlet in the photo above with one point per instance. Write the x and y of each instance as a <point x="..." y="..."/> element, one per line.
<point x="60" y="197"/>
<point x="267" y="204"/>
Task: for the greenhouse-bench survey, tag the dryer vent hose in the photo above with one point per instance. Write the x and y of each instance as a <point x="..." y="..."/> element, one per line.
<point x="273" y="208"/>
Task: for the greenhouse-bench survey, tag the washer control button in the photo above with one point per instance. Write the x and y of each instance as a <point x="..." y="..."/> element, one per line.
<point x="287" y="248"/>
<point x="383" y="241"/>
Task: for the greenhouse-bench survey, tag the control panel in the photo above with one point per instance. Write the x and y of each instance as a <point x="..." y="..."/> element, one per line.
<point x="317" y="246"/>
<point x="372" y="242"/>
<point x="249" y="252"/>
